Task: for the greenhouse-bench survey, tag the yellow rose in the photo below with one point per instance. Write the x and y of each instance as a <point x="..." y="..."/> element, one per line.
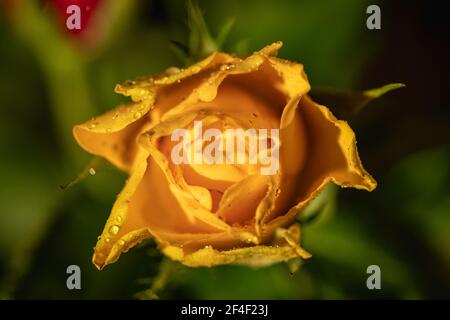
<point x="210" y="214"/>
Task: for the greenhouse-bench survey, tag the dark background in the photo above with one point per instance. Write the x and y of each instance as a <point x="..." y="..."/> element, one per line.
<point x="51" y="79"/>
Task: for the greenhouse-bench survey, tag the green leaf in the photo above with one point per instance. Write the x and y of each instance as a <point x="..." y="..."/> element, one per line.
<point x="321" y="208"/>
<point x="167" y="268"/>
<point x="224" y="32"/>
<point x="241" y="47"/>
<point x="201" y="43"/>
<point x="346" y="104"/>
<point x="181" y="51"/>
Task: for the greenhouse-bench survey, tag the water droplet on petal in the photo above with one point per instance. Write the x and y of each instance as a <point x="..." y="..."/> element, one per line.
<point x="92" y="171"/>
<point x="114" y="229"/>
<point x="137" y="115"/>
<point x="227" y="67"/>
<point x="93" y="125"/>
<point x="172" y="70"/>
<point x="107" y="240"/>
<point x="119" y="219"/>
<point x="121" y="242"/>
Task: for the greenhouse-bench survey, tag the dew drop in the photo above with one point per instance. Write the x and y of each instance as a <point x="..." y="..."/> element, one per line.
<point x="99" y="238"/>
<point x="121" y="243"/>
<point x="119" y="219"/>
<point x="114" y="229"/>
<point x="137" y="115"/>
<point x="277" y="192"/>
<point x="92" y="171"/>
<point x="93" y="125"/>
<point x="107" y="240"/>
<point x="227" y="67"/>
<point x="172" y="70"/>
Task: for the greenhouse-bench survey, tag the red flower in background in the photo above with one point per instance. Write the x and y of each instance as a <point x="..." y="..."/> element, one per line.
<point x="87" y="9"/>
<point x="93" y="17"/>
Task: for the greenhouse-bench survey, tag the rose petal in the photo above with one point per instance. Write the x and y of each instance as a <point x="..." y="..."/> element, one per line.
<point x="241" y="73"/>
<point x="239" y="202"/>
<point x="149" y="201"/>
<point x="332" y="157"/>
<point x="202" y="195"/>
<point x="119" y="223"/>
<point x="293" y="153"/>
<point x="332" y="145"/>
<point x="113" y="134"/>
<point x="140" y="88"/>
<point x="149" y="142"/>
<point x="286" y="248"/>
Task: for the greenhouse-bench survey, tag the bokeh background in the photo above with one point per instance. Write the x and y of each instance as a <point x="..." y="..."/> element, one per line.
<point x="51" y="79"/>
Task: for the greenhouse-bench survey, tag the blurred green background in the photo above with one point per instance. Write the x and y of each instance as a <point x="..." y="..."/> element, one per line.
<point x="50" y="80"/>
